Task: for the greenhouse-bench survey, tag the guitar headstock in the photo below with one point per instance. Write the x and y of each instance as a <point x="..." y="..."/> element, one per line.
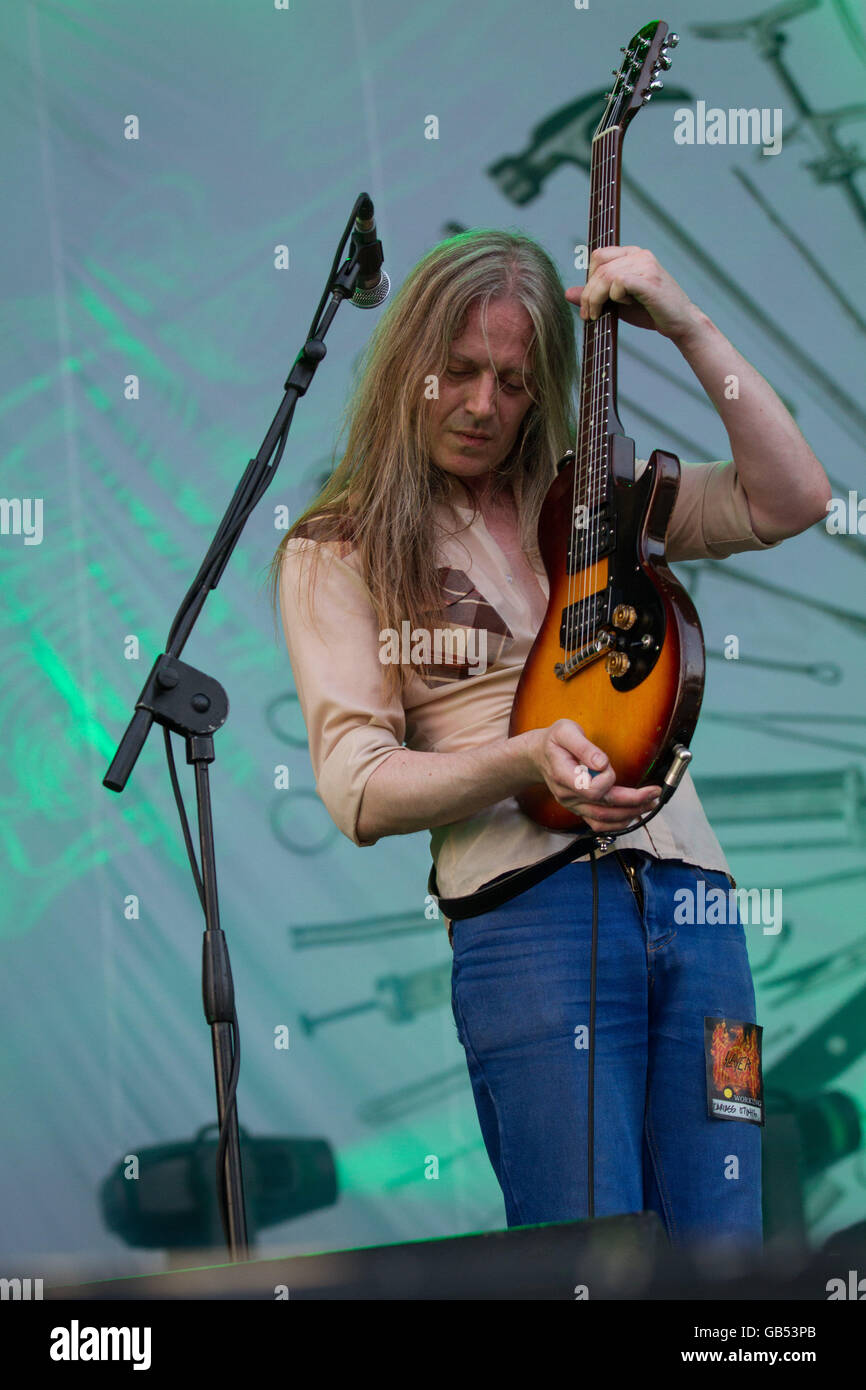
<point x="638" y="75"/>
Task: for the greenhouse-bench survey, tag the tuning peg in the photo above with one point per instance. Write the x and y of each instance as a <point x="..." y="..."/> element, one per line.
<point x="656" y="86"/>
<point x="672" y="40"/>
<point x="665" y="60"/>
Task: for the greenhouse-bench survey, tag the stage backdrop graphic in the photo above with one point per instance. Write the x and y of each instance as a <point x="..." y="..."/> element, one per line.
<point x="177" y="177"/>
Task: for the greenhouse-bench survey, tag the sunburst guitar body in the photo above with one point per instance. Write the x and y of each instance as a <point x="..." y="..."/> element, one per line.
<point x="624" y="611"/>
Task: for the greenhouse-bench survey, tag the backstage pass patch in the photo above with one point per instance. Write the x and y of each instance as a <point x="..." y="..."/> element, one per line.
<point x="735" y="1084"/>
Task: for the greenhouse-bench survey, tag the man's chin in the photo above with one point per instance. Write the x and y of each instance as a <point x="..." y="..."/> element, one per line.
<point x="469" y="459"/>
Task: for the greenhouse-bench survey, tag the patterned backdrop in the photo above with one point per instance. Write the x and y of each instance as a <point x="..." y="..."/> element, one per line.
<point x="156" y="157"/>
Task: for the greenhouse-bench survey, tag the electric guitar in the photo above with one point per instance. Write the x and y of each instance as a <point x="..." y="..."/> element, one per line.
<point x="620" y="650"/>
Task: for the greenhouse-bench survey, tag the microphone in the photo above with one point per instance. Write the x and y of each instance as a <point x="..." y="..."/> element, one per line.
<point x="373" y="285"/>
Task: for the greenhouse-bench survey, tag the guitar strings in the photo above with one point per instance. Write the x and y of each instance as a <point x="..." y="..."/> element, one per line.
<point x="583" y="453"/>
<point x="591" y="460"/>
<point x="600" y="345"/>
<point x="573" y="579"/>
<point x="578" y="462"/>
<point x="606" y="355"/>
<point x="606" y="358"/>
<point x="590" y="551"/>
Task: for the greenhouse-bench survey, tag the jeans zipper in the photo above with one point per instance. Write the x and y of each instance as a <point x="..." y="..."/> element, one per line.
<point x="632" y="880"/>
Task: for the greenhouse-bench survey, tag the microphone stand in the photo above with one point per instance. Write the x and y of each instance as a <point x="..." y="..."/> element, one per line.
<point x="189" y="702"/>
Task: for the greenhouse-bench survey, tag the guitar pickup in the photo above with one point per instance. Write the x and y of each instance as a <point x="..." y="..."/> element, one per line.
<point x="581" y="620"/>
<point x="593" y="537"/>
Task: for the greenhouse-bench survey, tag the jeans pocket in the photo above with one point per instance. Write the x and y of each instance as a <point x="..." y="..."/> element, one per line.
<point x="455" y="1008"/>
<point x="726" y="918"/>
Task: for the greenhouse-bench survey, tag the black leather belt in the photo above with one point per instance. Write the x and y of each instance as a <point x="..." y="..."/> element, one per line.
<point x="629" y="861"/>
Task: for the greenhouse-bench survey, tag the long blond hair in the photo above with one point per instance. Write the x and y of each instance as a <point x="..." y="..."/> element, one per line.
<point x="380" y="499"/>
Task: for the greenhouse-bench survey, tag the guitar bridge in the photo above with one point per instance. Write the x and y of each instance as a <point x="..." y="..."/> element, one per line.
<point x="590" y="651"/>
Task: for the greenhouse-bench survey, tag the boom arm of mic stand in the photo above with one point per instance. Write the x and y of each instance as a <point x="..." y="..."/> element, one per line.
<point x="247" y="495"/>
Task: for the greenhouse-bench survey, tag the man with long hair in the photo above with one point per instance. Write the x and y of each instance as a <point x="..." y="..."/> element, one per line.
<point x="411" y="592"/>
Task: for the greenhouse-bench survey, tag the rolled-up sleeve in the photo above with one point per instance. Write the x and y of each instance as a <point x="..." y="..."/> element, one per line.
<point x="710" y="518"/>
<point x="333" y="642"/>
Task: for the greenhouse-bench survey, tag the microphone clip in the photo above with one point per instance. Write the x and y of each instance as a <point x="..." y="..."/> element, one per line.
<point x="361" y="277"/>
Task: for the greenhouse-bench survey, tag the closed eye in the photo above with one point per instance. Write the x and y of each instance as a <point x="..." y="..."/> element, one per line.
<point x="512" y="388"/>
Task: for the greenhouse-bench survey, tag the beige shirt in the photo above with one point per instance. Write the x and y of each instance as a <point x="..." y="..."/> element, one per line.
<point x="353" y="727"/>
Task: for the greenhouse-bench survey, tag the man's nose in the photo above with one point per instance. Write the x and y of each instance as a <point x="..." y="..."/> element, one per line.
<point x="481" y="399"/>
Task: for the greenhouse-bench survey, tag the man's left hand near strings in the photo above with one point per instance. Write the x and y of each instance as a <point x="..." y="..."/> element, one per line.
<point x="642" y="290"/>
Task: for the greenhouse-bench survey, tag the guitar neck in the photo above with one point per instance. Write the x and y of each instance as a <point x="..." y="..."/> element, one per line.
<point x="597" y="398"/>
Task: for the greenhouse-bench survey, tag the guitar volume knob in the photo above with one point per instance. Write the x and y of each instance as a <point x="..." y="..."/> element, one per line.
<point x="624" y="616"/>
<point x="617" y="663"/>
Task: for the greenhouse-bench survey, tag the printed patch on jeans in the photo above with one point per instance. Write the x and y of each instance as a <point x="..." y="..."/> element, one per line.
<point x="735" y="1082"/>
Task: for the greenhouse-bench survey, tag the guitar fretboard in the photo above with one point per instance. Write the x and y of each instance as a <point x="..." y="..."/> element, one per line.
<point x="597" y="393"/>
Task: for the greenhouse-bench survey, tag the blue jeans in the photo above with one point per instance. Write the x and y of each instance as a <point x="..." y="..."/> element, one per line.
<point x="520" y="997"/>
